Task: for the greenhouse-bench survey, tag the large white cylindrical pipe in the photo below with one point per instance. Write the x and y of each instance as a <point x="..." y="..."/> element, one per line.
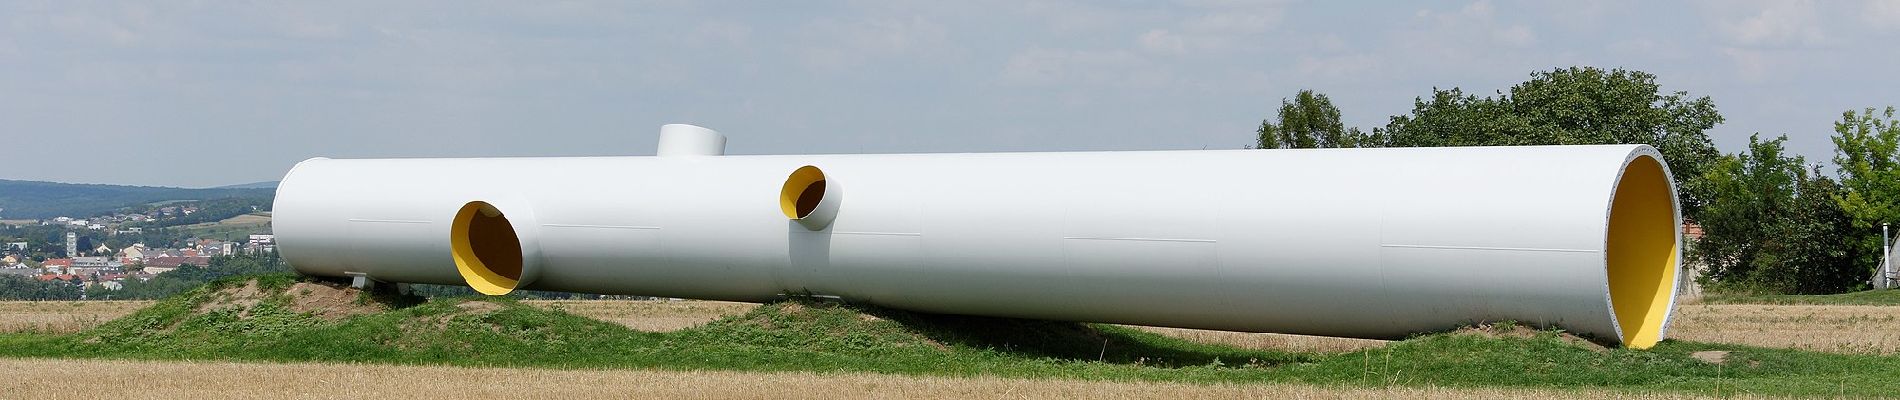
<point x="1375" y="243"/>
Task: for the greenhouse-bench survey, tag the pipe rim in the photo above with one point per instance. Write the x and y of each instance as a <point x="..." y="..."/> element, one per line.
<point x="1642" y="250"/>
<point x="803" y="192"/>
<point x="486" y="249"/>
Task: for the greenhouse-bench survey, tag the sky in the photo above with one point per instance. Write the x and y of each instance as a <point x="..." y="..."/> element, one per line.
<point x="205" y="93"/>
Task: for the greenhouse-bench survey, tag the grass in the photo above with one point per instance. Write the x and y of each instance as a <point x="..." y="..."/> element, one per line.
<point x="238" y="228"/>
<point x="832" y="338"/>
<point x="1863" y="298"/>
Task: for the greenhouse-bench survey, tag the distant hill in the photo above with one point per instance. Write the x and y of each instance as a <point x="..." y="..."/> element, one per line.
<point x="40" y="200"/>
<point x="252" y="185"/>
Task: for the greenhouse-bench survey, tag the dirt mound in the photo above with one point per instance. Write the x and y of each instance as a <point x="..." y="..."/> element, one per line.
<point x="328" y="300"/>
<point x="1524" y="332"/>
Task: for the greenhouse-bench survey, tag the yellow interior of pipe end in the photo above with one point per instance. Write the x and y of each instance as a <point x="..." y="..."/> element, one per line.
<point x="485" y="249"/>
<point x="1642" y="252"/>
<point x="801" y="192"/>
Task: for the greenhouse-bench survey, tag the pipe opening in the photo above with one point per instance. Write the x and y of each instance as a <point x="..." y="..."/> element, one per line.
<point x="485" y="248"/>
<point x="1641" y="252"/>
<point x="802" y="192"/>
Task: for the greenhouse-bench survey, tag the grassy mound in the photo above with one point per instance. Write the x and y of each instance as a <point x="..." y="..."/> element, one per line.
<point x="283" y="318"/>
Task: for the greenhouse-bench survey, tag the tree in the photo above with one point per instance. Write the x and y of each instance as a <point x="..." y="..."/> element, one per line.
<point x="1867" y="152"/>
<point x="1745" y="222"/>
<point x="1453" y="118"/>
<point x="1307" y="121"/>
<point x="1576" y="105"/>
<point x="1773" y="225"/>
<point x="13" y="287"/>
<point x="1823" y="256"/>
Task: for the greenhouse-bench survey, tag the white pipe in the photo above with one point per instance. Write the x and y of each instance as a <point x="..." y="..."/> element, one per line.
<point x="1376" y="243"/>
<point x="689" y="140"/>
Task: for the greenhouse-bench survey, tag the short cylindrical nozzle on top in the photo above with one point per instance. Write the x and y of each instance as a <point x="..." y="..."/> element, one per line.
<point x="689" y="140"/>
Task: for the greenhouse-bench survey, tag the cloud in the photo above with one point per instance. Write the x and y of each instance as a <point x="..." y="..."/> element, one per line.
<point x="1882" y="14"/>
<point x="1117" y="68"/>
<point x="1162" y="41"/>
<point x="1476" y="20"/>
<point x="1248" y="20"/>
<point x="1340" y="66"/>
<point x="1515" y="35"/>
<point x="841" y="44"/>
<point x="720" y="33"/>
<point x="1774" y="23"/>
<point x="1750" y="65"/>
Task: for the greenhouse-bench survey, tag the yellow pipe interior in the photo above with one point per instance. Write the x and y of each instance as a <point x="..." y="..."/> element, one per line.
<point x="1641" y="252"/>
<point x="802" y="192"/>
<point x="485" y="249"/>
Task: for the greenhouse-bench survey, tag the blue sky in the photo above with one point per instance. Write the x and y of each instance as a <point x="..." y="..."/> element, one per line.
<point x="195" y="94"/>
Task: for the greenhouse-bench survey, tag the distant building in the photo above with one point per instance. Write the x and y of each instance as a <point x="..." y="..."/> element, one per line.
<point x="167" y="264"/>
<point x="263" y="240"/>
<point x="18" y="246"/>
<point x="57" y="265"/>
<point x="134" y="254"/>
<point x="1692" y="230"/>
<point x="92" y="262"/>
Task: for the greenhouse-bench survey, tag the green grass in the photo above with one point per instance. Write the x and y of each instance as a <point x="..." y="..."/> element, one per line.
<point x="827" y="337"/>
<point x="1864" y="298"/>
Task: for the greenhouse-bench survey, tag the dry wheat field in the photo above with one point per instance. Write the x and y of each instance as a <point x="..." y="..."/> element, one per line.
<point x="62" y="316"/>
<point x="223" y="380"/>
<point x="1830" y="328"/>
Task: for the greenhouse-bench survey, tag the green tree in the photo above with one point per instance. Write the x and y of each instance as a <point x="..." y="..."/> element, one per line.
<point x="1867" y="154"/>
<point x="1822" y="256"/>
<point x="1746" y="222"/>
<point x="1772" y="225"/>
<point x="1867" y="151"/>
<point x="1453" y="118"/>
<point x="14" y="287"/>
<point x="1308" y="121"/>
<point x="1576" y="105"/>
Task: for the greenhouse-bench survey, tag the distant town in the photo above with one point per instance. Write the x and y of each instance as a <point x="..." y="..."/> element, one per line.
<point x="103" y="253"/>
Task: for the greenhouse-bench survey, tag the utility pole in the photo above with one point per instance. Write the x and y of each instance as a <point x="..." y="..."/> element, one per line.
<point x="1881" y="275"/>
